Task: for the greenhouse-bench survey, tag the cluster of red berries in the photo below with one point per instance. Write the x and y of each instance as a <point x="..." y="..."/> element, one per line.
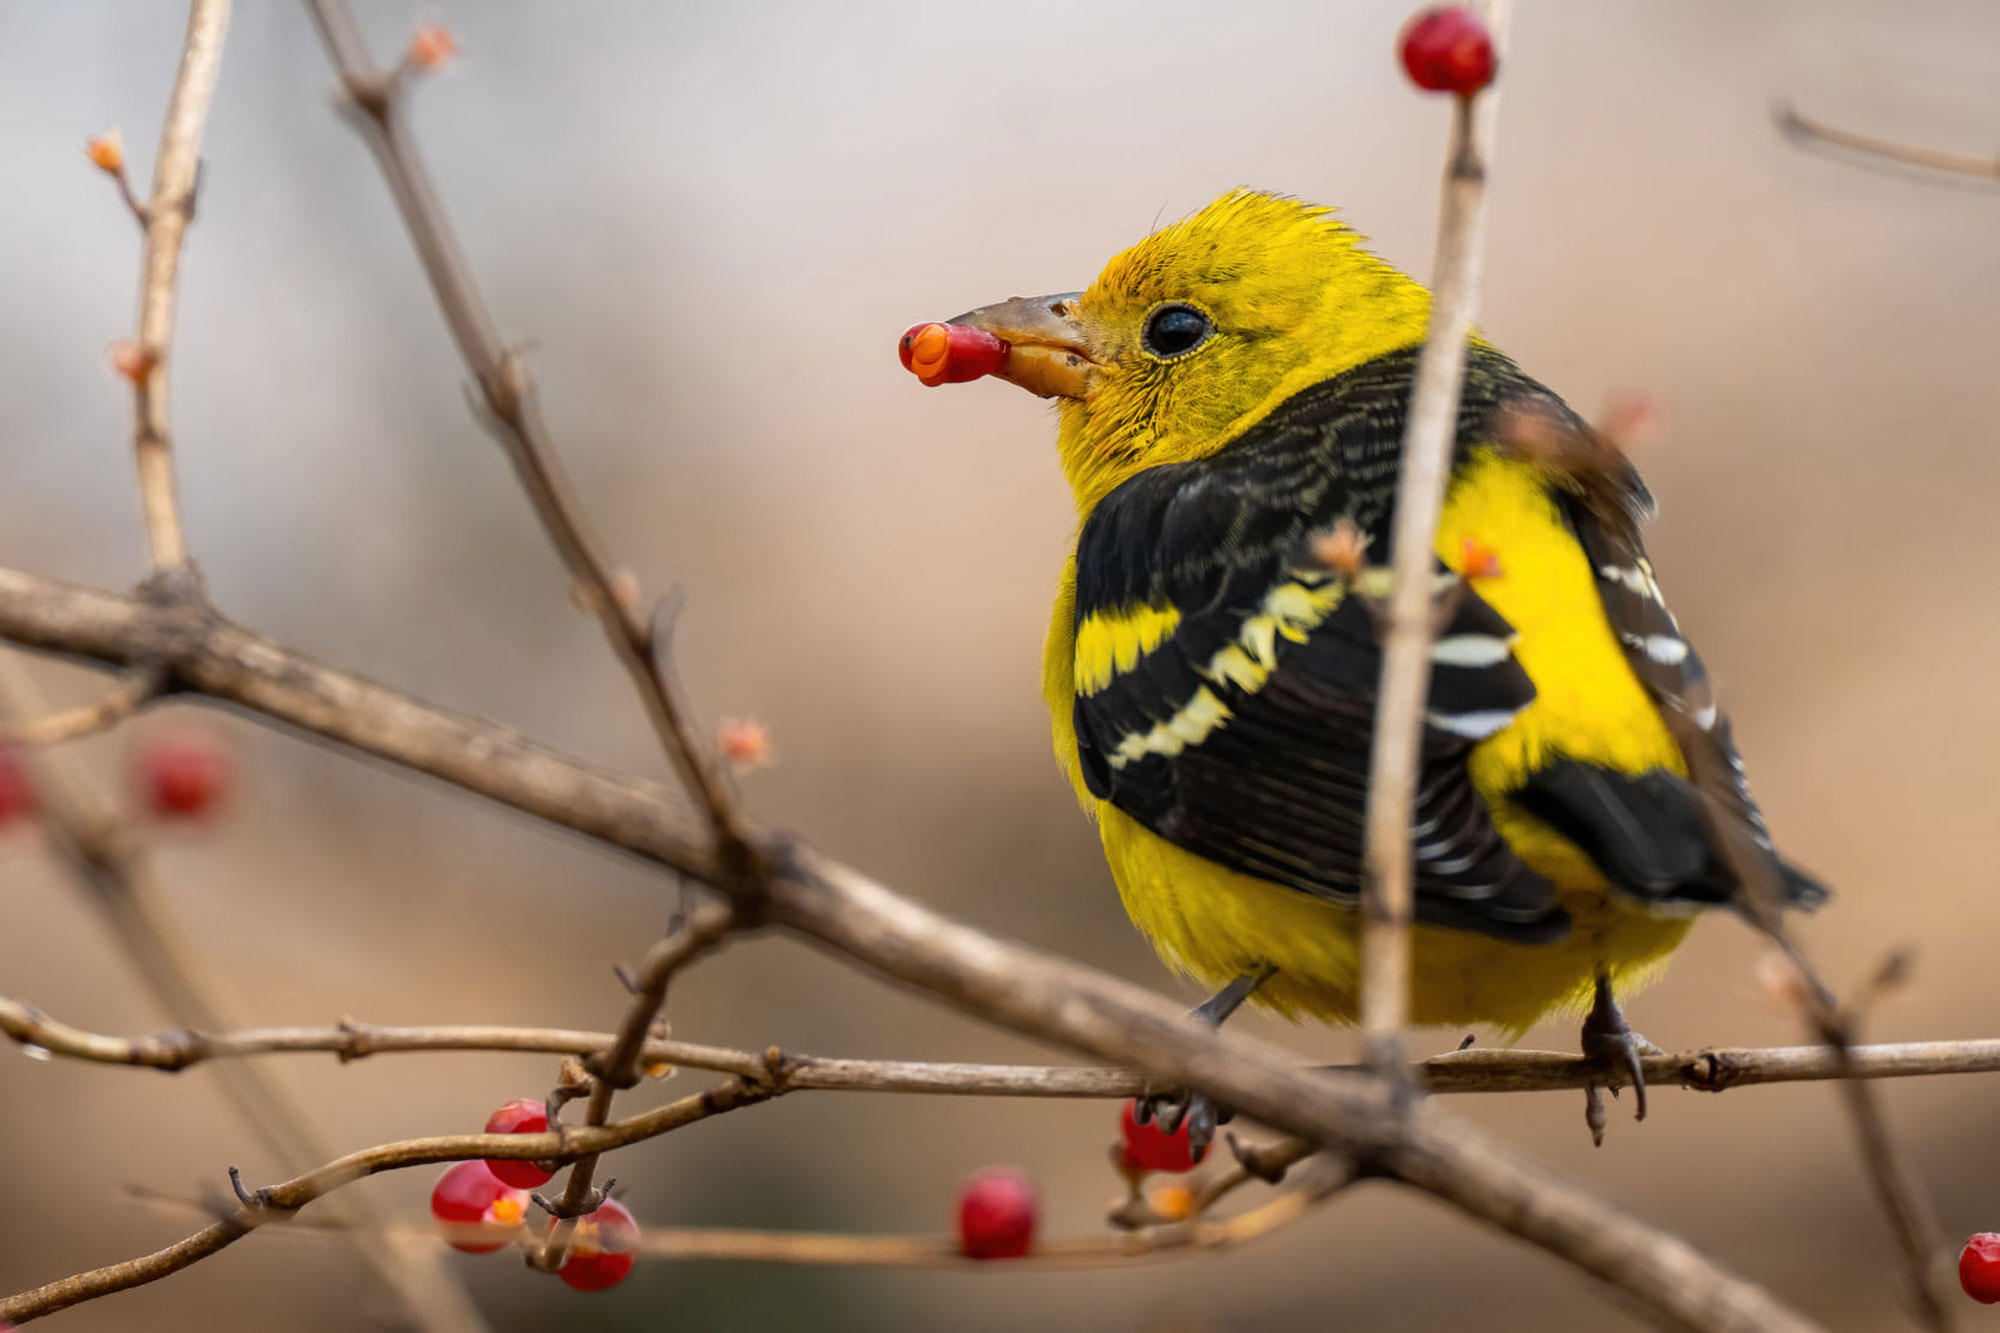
<point x="480" y="1204"/>
<point x="177" y="775"/>
<point x="1448" y="50"/>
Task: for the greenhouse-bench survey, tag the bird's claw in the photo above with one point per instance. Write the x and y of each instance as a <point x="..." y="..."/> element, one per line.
<point x="1611" y="1042"/>
<point x="1183" y="1106"/>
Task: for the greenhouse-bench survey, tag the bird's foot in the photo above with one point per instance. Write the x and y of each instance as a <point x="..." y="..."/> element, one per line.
<point x="1610" y="1041"/>
<point x="1200" y="1113"/>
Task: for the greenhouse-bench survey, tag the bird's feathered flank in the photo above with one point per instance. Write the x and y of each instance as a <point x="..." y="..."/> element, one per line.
<point x="1700" y="837"/>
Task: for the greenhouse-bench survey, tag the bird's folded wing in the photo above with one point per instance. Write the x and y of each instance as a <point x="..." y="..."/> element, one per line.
<point x="1225" y="694"/>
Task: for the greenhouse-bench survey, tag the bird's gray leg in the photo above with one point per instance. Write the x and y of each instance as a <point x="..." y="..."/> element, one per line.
<point x="1607" y="1038"/>
<point x="1184" y="1104"/>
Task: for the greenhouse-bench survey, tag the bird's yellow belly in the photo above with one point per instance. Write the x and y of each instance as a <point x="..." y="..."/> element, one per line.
<point x="1215" y="924"/>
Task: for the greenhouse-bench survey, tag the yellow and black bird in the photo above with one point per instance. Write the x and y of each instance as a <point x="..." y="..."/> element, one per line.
<point x="1232" y="389"/>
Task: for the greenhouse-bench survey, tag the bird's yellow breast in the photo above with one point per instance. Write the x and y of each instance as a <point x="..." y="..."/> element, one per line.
<point x="1216" y="924"/>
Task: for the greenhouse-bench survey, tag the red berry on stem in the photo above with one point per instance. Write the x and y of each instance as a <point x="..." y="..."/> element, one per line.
<point x="1448" y="50"/>
<point x="601" y="1249"/>
<point x="185" y="774"/>
<point x="468" y="1195"/>
<point x="520" y="1116"/>
<point x="1150" y="1148"/>
<point x="1979" y="1267"/>
<point x="996" y="1214"/>
<point x="17" y="794"/>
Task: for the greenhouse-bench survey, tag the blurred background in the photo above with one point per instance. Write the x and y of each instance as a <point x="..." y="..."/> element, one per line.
<point x="710" y="222"/>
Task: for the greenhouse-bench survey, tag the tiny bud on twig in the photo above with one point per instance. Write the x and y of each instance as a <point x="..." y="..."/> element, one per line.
<point x="132" y="361"/>
<point x="107" y="152"/>
<point x="744" y="742"/>
<point x="1343" y="549"/>
<point x="431" y="48"/>
<point x="1478" y="560"/>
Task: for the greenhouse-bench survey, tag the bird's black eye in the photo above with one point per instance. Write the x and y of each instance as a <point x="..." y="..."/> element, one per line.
<point x="1174" y="331"/>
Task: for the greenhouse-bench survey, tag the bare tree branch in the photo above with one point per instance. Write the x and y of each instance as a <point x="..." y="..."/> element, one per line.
<point x="1388" y="899"/>
<point x="1004" y="983"/>
<point x="508" y="393"/>
<point x="1710" y="1069"/>
<point x="169" y="209"/>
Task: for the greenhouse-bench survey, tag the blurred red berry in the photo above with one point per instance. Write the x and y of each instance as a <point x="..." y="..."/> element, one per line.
<point x="1150" y="1148"/>
<point x="17" y="794"/>
<point x="185" y="774"/>
<point x="1979" y="1267"/>
<point x="602" y="1248"/>
<point x="996" y="1214"/>
<point x="468" y="1195"/>
<point x="1448" y="50"/>
<point x="520" y="1116"/>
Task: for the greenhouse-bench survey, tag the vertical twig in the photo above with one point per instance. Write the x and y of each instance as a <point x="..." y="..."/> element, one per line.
<point x="169" y="209"/>
<point x="507" y="395"/>
<point x="1389" y="887"/>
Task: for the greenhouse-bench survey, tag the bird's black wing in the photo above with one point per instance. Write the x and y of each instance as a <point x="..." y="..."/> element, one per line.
<point x="1226" y="678"/>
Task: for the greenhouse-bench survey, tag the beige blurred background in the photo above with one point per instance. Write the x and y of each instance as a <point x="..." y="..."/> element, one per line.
<point x="712" y="221"/>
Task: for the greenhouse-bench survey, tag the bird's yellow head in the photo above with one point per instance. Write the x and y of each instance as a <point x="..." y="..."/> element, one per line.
<point x="1192" y="335"/>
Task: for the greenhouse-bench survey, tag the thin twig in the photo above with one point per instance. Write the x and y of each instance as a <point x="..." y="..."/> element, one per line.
<point x="168" y="210"/>
<point x="1389" y="879"/>
<point x="616" y="1066"/>
<point x="845" y="1249"/>
<point x="1709" y="1069"/>
<point x="133" y="692"/>
<point x="1806" y="131"/>
<point x="508" y="393"/>
<point x="280" y="1202"/>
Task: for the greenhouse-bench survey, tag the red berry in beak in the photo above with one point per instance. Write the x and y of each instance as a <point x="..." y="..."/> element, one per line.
<point x="951" y="353"/>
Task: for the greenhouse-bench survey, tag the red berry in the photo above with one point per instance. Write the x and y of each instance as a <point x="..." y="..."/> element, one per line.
<point x="951" y="353"/>
<point x="996" y="1214"/>
<point x="1979" y="1267"/>
<point x="1150" y="1148"/>
<point x="17" y="794"/>
<point x="1448" y="50"/>
<point x="601" y="1249"/>
<point x="468" y="1195"/>
<point x="519" y="1117"/>
<point x="185" y="774"/>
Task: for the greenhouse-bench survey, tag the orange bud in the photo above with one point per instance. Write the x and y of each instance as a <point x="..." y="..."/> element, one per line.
<point x="1478" y="561"/>
<point x="107" y="152"/>
<point x="951" y="353"/>
<point x="431" y="47"/>
<point x="1343" y="549"/>
<point x="132" y="361"/>
<point x="745" y="743"/>
<point x="1174" y="1203"/>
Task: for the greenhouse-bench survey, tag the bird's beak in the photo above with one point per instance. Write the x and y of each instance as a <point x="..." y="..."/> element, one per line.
<point x="1049" y="355"/>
